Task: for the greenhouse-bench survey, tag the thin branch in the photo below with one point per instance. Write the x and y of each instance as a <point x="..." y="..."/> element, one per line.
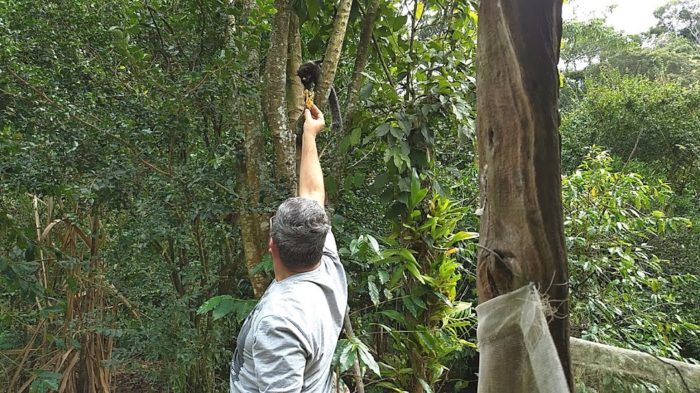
<point x="381" y="60"/>
<point x="363" y="157"/>
<point x="357" y="372"/>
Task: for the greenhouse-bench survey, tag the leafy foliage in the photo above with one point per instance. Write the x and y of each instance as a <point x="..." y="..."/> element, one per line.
<point x="681" y="17"/>
<point x="637" y="118"/>
<point x="121" y="144"/>
<point x="610" y="219"/>
<point x="223" y="305"/>
<point x="413" y="285"/>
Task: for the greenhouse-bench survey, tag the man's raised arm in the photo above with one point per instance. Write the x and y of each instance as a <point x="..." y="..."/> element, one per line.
<point x="310" y="173"/>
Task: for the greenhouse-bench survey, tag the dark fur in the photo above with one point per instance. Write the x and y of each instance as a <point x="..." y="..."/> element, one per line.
<point x="310" y="73"/>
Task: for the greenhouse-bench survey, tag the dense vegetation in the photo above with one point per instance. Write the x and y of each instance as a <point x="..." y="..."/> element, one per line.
<point x="126" y="213"/>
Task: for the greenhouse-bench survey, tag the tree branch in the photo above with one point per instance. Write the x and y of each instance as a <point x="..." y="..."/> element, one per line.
<point x="333" y="51"/>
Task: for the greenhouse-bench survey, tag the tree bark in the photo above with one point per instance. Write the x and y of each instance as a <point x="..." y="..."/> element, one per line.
<point x="283" y="141"/>
<point x="522" y="237"/>
<point x="295" y="89"/>
<point x="594" y="360"/>
<point x="253" y="236"/>
<point x="333" y="50"/>
<point x="248" y="108"/>
<point x="361" y="59"/>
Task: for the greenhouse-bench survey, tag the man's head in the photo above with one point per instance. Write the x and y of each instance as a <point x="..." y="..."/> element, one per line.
<point x="299" y="230"/>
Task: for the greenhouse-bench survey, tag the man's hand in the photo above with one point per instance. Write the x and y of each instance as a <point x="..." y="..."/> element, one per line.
<point x="313" y="121"/>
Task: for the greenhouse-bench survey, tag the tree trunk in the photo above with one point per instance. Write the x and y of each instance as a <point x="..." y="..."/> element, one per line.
<point x="253" y="236"/>
<point x="361" y="59"/>
<point x="283" y="140"/>
<point x="333" y="50"/>
<point x="522" y="237"/>
<point x="295" y="89"/>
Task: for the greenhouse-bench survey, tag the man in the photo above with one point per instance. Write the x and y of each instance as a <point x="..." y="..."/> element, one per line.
<point x="287" y="342"/>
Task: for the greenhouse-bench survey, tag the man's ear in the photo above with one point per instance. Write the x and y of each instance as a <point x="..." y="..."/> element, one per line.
<point x="270" y="245"/>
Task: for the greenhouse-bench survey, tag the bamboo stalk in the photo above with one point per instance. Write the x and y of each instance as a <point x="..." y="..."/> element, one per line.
<point x="37" y="225"/>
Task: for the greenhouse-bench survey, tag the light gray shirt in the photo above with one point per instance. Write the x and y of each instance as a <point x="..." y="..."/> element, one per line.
<point x="286" y="344"/>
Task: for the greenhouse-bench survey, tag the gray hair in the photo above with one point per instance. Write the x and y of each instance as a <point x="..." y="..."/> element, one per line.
<point x="299" y="230"/>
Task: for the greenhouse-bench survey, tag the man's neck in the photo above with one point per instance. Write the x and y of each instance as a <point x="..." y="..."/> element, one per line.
<point x="281" y="272"/>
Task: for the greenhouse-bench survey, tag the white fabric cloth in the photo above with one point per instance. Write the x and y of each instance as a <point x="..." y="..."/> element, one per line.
<point x="516" y="351"/>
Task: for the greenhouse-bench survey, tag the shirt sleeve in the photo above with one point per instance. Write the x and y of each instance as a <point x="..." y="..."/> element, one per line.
<point x="279" y="357"/>
<point x="330" y="249"/>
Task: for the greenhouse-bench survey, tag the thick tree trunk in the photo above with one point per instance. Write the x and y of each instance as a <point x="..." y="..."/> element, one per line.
<point x="253" y="236"/>
<point x="283" y="141"/>
<point x="522" y="238"/>
<point x="295" y="90"/>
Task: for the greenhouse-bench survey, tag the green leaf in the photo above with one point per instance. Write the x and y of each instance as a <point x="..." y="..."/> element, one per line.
<point x="347" y="357"/>
<point x="382" y="129"/>
<point x="425" y="386"/>
<point x="366" y="90"/>
<point x="407" y="255"/>
<point x="355" y="136"/>
<point x="398" y="22"/>
<point x="373" y="243"/>
<point x="210" y="304"/>
<point x="223" y="305"/>
<point x="265" y="265"/>
<point x="373" y="292"/>
<point x="419" y="10"/>
<point x="395" y="315"/>
<point x="412" y="267"/>
<point x="383" y="276"/>
<point x="396" y="276"/>
<point x="428" y="340"/>
<point x="390" y="386"/>
<point x="45" y="381"/>
<point x="417" y="193"/>
<point x="462" y="235"/>
<point x="411" y="306"/>
<point x="313" y="7"/>
<point x="224" y="308"/>
<point x="367" y="358"/>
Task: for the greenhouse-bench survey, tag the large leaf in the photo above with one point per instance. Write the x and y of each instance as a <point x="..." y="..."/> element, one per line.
<point x="264" y="266"/>
<point x="368" y="359"/>
<point x="373" y="291"/>
<point x="223" y="305"/>
<point x="395" y="315"/>
<point x="347" y="357"/>
<point x="417" y="193"/>
<point x="45" y="381"/>
<point x="412" y="267"/>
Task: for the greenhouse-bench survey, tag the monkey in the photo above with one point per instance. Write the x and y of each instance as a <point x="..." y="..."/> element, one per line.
<point x="310" y="73"/>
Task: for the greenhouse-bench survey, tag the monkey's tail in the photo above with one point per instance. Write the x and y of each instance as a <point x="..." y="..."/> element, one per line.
<point x="335" y="112"/>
